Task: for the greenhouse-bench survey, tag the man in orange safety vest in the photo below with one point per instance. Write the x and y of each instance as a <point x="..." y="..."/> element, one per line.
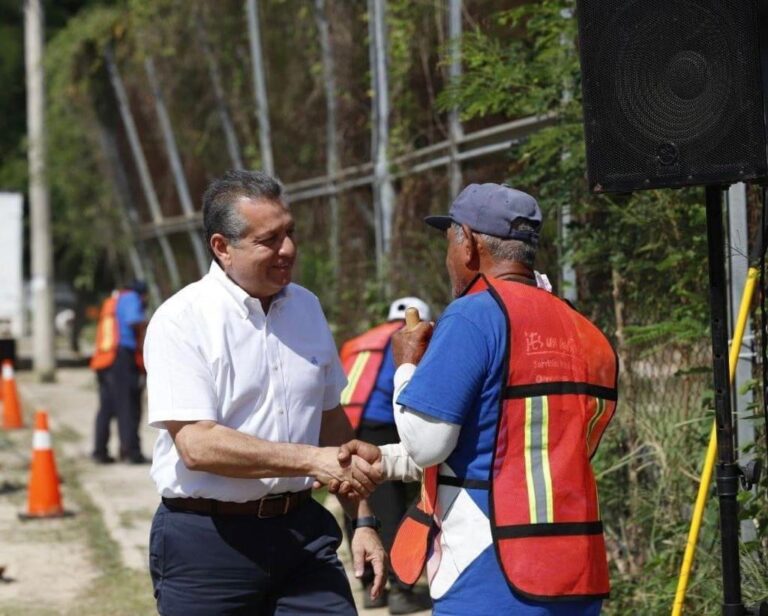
<point x="500" y="409"/>
<point x="118" y="363"/>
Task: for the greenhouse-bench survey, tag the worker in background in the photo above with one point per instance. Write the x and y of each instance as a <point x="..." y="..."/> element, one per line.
<point x="367" y="401"/>
<point x="117" y="360"/>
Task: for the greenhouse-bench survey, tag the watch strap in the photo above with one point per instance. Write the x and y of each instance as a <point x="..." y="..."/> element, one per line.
<point x="368" y="521"/>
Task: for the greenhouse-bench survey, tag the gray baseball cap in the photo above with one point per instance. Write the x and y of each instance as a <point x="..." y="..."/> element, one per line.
<point x="491" y="209"/>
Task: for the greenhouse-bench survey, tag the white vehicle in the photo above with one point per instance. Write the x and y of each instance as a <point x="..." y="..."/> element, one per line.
<point x="11" y="271"/>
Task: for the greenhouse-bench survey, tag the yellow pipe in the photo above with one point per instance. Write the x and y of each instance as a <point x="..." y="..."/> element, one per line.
<point x="709" y="462"/>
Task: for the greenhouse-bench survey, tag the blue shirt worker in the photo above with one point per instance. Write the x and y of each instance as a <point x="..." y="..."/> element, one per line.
<point x="367" y="399"/>
<point x="243" y="383"/>
<point x="117" y="360"/>
<point x="499" y="410"/>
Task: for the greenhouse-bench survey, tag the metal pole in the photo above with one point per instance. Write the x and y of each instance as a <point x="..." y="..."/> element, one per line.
<point x="568" y="287"/>
<point x="141" y="164"/>
<point x="233" y="146"/>
<point x="331" y="143"/>
<point x="383" y="192"/>
<point x="455" y="130"/>
<point x="44" y="352"/>
<point x="728" y="472"/>
<point x="738" y="262"/>
<point x="377" y="235"/>
<point x="142" y="265"/>
<point x="201" y="256"/>
<point x="259" y="87"/>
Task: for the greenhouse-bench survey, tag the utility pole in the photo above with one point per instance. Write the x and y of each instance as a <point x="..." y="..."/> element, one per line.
<point x="43" y="355"/>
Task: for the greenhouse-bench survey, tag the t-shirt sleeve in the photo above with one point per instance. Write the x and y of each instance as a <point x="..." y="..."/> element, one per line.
<point x="131" y="309"/>
<point x="180" y="384"/>
<point x="448" y="381"/>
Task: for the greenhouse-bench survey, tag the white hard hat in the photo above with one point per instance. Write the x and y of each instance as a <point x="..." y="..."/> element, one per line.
<point x="397" y="308"/>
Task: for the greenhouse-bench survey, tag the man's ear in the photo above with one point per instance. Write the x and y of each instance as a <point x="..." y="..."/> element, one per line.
<point x="221" y="248"/>
<point x="470" y="248"/>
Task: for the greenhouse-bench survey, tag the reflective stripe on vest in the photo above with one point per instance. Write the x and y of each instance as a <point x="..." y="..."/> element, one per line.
<point x="361" y="358"/>
<point x="559" y="397"/>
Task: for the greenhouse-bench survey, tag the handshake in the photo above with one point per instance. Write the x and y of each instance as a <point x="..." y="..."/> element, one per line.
<point x="353" y="470"/>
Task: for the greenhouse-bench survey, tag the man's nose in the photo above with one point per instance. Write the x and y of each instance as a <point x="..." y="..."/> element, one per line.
<point x="288" y="247"/>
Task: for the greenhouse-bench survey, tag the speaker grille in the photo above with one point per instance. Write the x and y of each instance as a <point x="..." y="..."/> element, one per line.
<point x="672" y="92"/>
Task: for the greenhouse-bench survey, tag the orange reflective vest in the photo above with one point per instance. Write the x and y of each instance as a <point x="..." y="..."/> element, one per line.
<point x="361" y="358"/>
<point x="108" y="336"/>
<point x="560" y="394"/>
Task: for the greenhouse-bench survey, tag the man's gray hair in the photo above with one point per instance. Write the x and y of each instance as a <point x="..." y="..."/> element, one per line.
<point x="219" y="213"/>
<point x="502" y="249"/>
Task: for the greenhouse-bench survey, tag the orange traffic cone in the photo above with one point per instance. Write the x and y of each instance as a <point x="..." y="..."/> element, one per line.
<point x="11" y="406"/>
<point x="43" y="498"/>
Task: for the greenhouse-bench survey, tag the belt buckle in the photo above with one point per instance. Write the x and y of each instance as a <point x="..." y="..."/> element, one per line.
<point x="272" y="497"/>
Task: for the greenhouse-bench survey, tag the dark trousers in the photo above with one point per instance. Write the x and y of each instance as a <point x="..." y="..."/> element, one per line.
<point x="391" y="499"/>
<point x="206" y="565"/>
<point x="120" y="397"/>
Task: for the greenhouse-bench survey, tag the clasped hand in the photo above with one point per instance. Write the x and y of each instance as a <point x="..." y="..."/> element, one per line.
<point x="353" y="470"/>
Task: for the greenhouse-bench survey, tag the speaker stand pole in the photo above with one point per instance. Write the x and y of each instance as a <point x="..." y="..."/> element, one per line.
<point x="728" y="472"/>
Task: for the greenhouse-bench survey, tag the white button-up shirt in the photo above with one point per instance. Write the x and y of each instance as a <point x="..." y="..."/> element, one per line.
<point x="212" y="354"/>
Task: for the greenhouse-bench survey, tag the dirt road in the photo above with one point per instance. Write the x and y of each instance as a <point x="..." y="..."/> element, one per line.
<point x="94" y="562"/>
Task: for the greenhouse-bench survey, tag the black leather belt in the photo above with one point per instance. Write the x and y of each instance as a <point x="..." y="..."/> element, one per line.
<point x="270" y="506"/>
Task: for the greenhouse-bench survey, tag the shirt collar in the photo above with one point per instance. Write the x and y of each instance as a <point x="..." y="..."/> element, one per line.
<point x="245" y="303"/>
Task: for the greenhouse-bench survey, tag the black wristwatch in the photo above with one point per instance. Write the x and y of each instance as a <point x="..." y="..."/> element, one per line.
<point x="369" y="521"/>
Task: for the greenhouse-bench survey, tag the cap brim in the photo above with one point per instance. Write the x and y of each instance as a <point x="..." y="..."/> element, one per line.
<point x="439" y="222"/>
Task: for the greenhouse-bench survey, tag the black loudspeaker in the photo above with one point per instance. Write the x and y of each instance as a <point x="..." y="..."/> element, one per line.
<point x="673" y="92"/>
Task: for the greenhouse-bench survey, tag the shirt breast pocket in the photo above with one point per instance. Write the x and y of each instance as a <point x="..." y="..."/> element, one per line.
<point x="306" y="378"/>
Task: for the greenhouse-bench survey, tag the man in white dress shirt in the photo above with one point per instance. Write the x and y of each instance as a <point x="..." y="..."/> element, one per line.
<point x="244" y="380"/>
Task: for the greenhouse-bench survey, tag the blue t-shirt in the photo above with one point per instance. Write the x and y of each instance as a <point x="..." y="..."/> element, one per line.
<point x="459" y="380"/>
<point x="379" y="405"/>
<point x="129" y="312"/>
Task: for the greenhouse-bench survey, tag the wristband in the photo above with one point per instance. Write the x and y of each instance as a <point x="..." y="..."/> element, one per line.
<point x="369" y="521"/>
